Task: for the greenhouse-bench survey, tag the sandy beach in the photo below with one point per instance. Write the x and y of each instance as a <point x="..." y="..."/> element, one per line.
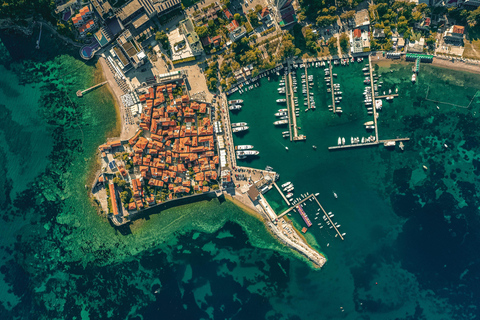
<point x="127" y="131"/>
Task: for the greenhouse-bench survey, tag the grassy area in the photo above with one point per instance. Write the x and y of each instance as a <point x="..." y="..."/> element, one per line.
<point x="472" y="49"/>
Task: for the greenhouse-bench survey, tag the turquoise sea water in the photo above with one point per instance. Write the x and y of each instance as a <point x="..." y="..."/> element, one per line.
<point x="411" y="245"/>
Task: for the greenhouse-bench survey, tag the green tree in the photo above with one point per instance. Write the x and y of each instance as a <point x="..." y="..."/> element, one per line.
<point x="344" y="42"/>
<point x="332" y="46"/>
<point x="201" y="31"/>
<point x="252" y="16"/>
<point x="237" y="17"/>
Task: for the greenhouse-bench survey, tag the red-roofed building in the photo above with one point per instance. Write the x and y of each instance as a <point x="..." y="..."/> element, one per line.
<point x="232" y="25"/>
<point x="454" y="34"/>
<point x="228" y="14"/>
<point x="113" y="198"/>
<point x="357" y="33"/>
<point x="264" y="14"/>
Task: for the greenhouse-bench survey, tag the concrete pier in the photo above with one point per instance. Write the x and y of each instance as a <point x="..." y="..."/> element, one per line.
<point x="368" y="144"/>
<point x="291" y="208"/>
<point x="81" y="93"/>
<point x="375" y="115"/>
<point x="332" y="87"/>
<point x="388" y="96"/>
<point x="324" y="212"/>
<point x="306" y="84"/>
<point x="292" y="118"/>
<point x="281" y="193"/>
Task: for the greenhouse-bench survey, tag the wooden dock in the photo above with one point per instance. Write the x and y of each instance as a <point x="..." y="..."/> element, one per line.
<point x="324" y="212"/>
<point x="388" y="96"/>
<point x="292" y="119"/>
<point x="293" y="207"/>
<point x="368" y="144"/>
<point x="349" y="146"/>
<point x="375" y="115"/>
<point x="306" y="84"/>
<point x="331" y="87"/>
<point x="281" y="193"/>
<point x="81" y="93"/>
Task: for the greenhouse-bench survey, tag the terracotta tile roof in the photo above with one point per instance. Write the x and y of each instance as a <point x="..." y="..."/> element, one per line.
<point x="458" y="29"/>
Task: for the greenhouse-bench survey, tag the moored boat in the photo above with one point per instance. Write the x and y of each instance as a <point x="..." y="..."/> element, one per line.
<point x="239" y="129"/>
<point x="238" y="124"/>
<point x="280" y="122"/>
<point x="244" y="147"/>
<point x="248" y="153"/>
<point x="232" y="102"/>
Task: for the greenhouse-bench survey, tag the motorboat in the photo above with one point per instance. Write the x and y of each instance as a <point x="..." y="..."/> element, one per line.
<point x="248" y="153"/>
<point x="239" y="129"/>
<point x="244" y="147"/>
<point x="286" y="184"/>
<point x="238" y="124"/>
<point x="232" y="102"/>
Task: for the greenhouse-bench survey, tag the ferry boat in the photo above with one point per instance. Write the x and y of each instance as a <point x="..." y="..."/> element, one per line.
<point x="281" y="100"/>
<point x="280" y="114"/>
<point x="232" y="102"/>
<point x="248" y="153"/>
<point x="244" y="147"/>
<point x="239" y="124"/>
<point x="239" y="129"/>
<point x="235" y="107"/>
<point x="280" y="122"/>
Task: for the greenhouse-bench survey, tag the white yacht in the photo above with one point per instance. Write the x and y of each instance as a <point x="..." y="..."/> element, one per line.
<point x="239" y="129"/>
<point x="244" y="147"/>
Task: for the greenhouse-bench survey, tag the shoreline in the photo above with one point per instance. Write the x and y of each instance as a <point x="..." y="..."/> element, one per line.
<point x="248" y="210"/>
<point x="124" y="131"/>
<point x="437" y="62"/>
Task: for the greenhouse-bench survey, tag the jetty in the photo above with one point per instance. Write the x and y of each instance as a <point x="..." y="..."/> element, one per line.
<point x="281" y="193"/>
<point x="326" y="214"/>
<point x="306" y="84"/>
<point x="292" y="119"/>
<point x="368" y="144"/>
<point x="81" y="93"/>
<point x="388" y="96"/>
<point x="332" y="87"/>
<point x="375" y="115"/>
<point x="293" y="207"/>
